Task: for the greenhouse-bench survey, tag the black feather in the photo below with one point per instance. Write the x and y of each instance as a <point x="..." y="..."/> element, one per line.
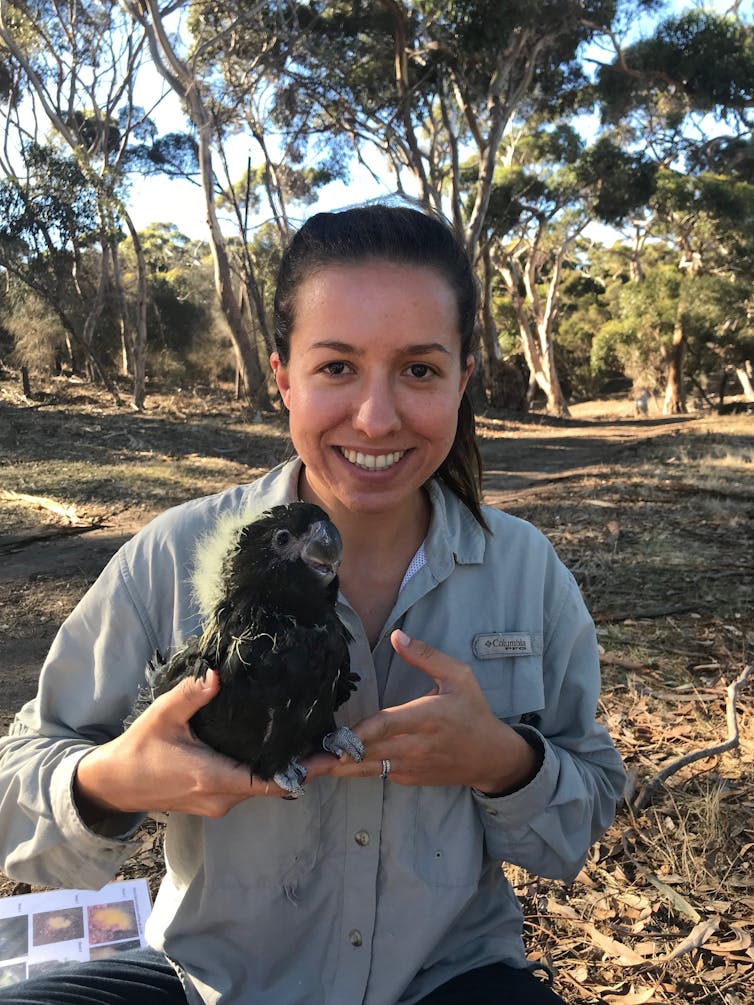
<point x="275" y="639"/>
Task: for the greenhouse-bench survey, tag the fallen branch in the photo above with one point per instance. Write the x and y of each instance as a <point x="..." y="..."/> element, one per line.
<point x="42" y="502"/>
<point x="613" y="660"/>
<point x="652" y="612"/>
<point x="16" y="542"/>
<point x="647" y="792"/>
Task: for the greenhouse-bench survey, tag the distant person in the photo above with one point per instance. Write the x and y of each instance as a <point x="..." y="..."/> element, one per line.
<point x="641" y="403"/>
<point x="476" y="704"/>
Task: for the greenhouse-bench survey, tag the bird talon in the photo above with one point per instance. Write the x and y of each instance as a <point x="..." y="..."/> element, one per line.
<point x="292" y="779"/>
<point x="344" y="741"/>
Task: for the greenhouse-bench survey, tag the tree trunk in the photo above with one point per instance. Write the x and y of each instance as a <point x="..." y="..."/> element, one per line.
<point x="550" y="383"/>
<point x="71" y="353"/>
<point x="503" y="383"/>
<point x="675" y="391"/>
<point x="744" y="375"/>
<point x="254" y="382"/>
<point x="185" y="83"/>
<point x="534" y="325"/>
<point x="95" y="310"/>
<point x="139" y="345"/>
<point x="126" y="348"/>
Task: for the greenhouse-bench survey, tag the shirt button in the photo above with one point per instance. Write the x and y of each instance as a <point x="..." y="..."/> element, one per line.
<point x="354" y="937"/>
<point x="362" y="838"/>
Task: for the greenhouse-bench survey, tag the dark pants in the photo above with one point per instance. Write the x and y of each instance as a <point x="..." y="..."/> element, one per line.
<point x="144" y="977"/>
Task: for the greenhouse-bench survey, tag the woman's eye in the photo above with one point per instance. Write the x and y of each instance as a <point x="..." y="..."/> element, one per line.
<point x="335" y="369"/>
<point x="419" y="370"/>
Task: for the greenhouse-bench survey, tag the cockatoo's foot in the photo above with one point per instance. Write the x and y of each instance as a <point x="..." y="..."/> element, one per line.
<point x="343" y="741"/>
<point x="292" y="779"/>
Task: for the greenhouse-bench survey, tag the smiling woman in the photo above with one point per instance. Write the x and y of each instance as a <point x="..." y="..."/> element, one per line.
<point x="373" y="406"/>
<point x="476" y="701"/>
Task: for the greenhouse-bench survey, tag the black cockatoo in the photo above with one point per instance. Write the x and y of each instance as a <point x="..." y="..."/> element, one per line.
<point x="267" y="589"/>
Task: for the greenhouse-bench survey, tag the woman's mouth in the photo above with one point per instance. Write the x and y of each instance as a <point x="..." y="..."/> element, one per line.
<point x="372" y="462"/>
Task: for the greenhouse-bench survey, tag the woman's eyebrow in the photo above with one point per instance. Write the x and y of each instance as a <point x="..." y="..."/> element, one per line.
<point x="417" y="349"/>
<point x="425" y="348"/>
<point x="334" y="346"/>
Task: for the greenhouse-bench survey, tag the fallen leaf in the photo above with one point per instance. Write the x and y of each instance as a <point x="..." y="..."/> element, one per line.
<point x="611" y="947"/>
<point x="696" y="938"/>
<point x="740" y="942"/>
<point x="633" y="997"/>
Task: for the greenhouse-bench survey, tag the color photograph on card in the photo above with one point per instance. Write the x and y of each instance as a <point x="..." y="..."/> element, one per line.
<point x="111" y="922"/>
<point x="57" y="926"/>
<point x="14" y="937"/>
<point x="113" y="948"/>
<point x="12" y="974"/>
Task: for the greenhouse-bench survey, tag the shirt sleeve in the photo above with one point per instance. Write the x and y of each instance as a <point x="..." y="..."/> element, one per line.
<point x="549" y="825"/>
<point x="87" y="685"/>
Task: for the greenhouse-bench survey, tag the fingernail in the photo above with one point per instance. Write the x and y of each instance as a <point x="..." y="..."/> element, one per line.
<point x="403" y="639"/>
<point x="208" y="680"/>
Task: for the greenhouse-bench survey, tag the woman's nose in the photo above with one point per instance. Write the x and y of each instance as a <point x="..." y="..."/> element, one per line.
<point x="376" y="413"/>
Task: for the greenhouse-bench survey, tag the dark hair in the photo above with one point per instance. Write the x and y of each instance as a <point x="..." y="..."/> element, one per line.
<point x="404" y="236"/>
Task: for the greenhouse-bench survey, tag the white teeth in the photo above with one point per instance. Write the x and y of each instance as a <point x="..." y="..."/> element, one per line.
<point x="372" y="462"/>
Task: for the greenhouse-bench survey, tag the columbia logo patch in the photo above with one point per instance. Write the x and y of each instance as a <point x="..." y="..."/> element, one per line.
<point x="495" y="645"/>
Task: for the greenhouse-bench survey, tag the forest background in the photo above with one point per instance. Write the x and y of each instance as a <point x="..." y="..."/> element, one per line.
<point x="596" y="156"/>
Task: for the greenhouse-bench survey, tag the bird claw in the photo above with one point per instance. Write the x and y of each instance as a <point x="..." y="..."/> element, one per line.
<point x="344" y="741"/>
<point x="292" y="779"/>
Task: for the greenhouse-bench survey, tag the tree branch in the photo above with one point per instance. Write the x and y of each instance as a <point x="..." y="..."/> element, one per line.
<point x="646" y="793"/>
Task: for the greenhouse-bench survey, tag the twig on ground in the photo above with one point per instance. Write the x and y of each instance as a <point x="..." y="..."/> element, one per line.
<point x="42" y="502"/>
<point x="671" y="896"/>
<point x="18" y="541"/>
<point x="652" y="612"/>
<point x="648" y="790"/>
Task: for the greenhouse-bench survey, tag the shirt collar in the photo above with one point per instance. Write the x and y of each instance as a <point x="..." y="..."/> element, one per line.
<point x="454" y="536"/>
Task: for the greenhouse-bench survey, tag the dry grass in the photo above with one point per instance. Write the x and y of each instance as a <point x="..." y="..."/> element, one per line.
<point x="668" y="528"/>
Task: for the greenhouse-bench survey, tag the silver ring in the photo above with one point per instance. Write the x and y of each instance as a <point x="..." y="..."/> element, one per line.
<point x="386" y="766"/>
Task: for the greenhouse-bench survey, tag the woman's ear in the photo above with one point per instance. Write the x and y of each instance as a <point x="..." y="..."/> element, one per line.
<point x="281" y="377"/>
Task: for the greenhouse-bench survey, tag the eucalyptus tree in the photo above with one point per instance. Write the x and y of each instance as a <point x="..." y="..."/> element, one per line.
<point x="548" y="187"/>
<point x="685" y="95"/>
<point x="436" y="88"/>
<point x="177" y="53"/>
<point x="77" y="65"/>
<point x="430" y="84"/>
<point x="188" y="340"/>
<point x="285" y="169"/>
<point x="49" y="229"/>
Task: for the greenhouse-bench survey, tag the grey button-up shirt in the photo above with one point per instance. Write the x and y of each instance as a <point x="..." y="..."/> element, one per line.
<point x="362" y="890"/>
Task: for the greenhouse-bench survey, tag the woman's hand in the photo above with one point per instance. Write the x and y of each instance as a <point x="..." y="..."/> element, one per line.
<point x="158" y="764"/>
<point x="447" y="737"/>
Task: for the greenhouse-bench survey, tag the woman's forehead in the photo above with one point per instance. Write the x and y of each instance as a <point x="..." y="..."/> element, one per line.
<point x="375" y="285"/>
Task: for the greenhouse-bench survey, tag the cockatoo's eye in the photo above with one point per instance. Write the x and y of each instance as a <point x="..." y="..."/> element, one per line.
<point x="281" y="538"/>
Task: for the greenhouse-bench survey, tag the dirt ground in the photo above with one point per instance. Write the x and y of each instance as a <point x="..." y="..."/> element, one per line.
<point x="654" y="516"/>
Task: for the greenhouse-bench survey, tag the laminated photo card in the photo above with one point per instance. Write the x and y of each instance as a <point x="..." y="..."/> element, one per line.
<point x="40" y="930"/>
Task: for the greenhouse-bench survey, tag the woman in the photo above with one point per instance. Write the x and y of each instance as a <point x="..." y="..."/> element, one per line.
<point x="476" y="705"/>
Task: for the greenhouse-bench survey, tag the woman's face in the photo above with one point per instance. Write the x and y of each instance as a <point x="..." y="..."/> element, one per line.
<point x="373" y="383"/>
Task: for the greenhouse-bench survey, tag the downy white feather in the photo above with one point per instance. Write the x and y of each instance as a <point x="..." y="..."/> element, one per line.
<point x="209" y="558"/>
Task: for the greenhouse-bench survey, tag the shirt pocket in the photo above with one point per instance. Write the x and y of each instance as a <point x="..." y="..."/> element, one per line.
<point x="266" y="842"/>
<point x="448" y="837"/>
<point x="513" y="686"/>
